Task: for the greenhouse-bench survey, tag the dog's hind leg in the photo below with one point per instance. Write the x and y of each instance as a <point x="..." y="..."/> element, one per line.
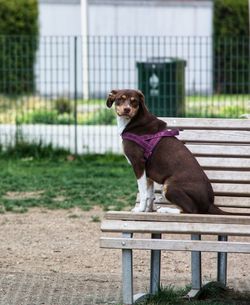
<point x="178" y="196"/>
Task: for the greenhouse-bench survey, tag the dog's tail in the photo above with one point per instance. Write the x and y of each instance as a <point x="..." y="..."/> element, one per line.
<point x="213" y="209"/>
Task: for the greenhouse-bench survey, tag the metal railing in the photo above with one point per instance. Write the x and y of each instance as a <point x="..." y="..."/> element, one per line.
<point x="59" y="97"/>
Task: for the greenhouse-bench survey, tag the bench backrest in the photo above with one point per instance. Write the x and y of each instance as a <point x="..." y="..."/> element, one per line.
<point x="222" y="147"/>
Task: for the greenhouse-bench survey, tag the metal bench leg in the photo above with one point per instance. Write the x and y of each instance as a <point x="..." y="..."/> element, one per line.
<point x="127" y="273"/>
<point x="155" y="270"/>
<point x="195" y="269"/>
<point x="222" y="264"/>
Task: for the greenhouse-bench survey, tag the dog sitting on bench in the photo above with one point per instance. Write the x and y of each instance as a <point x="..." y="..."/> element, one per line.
<point x="156" y="155"/>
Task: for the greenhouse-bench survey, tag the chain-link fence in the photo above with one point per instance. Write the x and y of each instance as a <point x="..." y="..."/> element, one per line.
<point x="59" y="95"/>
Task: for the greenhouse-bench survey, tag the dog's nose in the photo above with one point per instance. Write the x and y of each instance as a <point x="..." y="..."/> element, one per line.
<point x="126" y="110"/>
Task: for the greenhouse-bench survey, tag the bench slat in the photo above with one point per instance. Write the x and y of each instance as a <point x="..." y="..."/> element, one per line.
<point x="231" y="189"/>
<point x="174" y="227"/>
<point x="228" y="176"/>
<point x="224" y="189"/>
<point x="224" y="163"/>
<point x="192" y="218"/>
<point x="204" y="123"/>
<point x="219" y="150"/>
<point x="239" y="202"/>
<point x="203" y="136"/>
<point x="174" y="245"/>
<point x="221" y="201"/>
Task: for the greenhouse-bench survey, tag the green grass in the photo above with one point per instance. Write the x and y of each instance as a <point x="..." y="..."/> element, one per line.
<point x="107" y="181"/>
<point x="211" y="294"/>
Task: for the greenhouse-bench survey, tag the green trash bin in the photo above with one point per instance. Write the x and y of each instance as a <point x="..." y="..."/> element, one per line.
<point x="162" y="80"/>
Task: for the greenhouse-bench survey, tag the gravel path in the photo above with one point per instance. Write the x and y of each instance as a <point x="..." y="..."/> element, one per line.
<point x="53" y="258"/>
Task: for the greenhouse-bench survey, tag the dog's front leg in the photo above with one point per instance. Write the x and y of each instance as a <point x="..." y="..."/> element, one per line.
<point x="146" y="192"/>
<point x="135" y="157"/>
<point x="151" y="195"/>
<point x="142" y="188"/>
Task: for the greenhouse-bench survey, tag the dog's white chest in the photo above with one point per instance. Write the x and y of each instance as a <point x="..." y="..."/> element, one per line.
<point x="122" y="123"/>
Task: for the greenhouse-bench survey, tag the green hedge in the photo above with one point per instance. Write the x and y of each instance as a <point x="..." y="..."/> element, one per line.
<point x="18" y="45"/>
<point x="231" y="46"/>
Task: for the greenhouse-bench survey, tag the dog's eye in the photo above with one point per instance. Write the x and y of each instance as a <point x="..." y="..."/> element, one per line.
<point x="118" y="102"/>
<point x="134" y="103"/>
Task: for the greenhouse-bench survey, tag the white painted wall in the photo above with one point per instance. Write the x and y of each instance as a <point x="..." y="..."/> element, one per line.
<point x="114" y="64"/>
<point x="59" y="19"/>
<point x="59" y="24"/>
<point x="177" y="19"/>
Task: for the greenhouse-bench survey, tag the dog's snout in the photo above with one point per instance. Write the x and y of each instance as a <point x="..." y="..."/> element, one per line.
<point x="126" y="109"/>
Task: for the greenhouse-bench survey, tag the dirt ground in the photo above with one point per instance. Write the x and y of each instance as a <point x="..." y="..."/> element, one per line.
<point x="53" y="258"/>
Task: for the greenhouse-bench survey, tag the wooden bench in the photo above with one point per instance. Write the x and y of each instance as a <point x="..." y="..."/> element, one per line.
<point x="222" y="147"/>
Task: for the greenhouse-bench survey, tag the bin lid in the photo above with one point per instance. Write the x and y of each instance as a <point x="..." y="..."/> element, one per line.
<point x="164" y="59"/>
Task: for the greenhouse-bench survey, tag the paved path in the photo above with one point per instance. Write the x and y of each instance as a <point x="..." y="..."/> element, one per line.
<point x="58" y="289"/>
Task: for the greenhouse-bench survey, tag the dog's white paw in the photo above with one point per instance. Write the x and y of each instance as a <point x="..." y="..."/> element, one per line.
<point x="168" y="210"/>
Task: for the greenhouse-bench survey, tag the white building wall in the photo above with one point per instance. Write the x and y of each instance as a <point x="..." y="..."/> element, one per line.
<point x="59" y="19"/>
<point x="60" y="23"/>
<point x="185" y="25"/>
<point x="171" y="18"/>
<point x="177" y="19"/>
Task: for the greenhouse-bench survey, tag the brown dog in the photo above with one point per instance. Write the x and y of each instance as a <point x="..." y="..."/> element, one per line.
<point x="159" y="156"/>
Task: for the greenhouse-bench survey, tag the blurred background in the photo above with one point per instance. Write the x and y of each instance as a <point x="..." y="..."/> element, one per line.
<point x="60" y="58"/>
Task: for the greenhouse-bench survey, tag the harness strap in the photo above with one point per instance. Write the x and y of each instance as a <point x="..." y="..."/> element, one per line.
<point x="148" y="142"/>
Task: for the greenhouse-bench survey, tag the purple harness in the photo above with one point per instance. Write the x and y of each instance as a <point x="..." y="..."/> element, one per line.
<point x="149" y="141"/>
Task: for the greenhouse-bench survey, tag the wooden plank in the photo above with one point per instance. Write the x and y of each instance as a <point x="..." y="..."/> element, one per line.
<point x="214" y="136"/>
<point x="174" y="227"/>
<point x="175" y="245"/>
<point x="222" y="189"/>
<point x="231" y="189"/>
<point x="222" y="201"/>
<point x="226" y="176"/>
<point x="233" y="210"/>
<point x="192" y="218"/>
<point x="240" y="202"/>
<point x="204" y="123"/>
<point x="224" y="163"/>
<point x="219" y="150"/>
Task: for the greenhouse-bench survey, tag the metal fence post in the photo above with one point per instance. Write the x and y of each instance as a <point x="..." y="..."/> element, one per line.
<point x="75" y="93"/>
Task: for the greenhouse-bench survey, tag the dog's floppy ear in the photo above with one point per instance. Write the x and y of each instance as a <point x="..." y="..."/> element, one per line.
<point x="142" y="101"/>
<point x="111" y="98"/>
<point x="141" y="96"/>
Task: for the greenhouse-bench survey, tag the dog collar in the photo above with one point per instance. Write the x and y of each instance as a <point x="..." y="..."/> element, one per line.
<point x="149" y="141"/>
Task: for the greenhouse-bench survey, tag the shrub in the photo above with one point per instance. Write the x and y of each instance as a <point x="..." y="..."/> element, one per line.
<point x="37" y="150"/>
<point x="231" y="46"/>
<point x="18" y="45"/>
<point x="102" y="117"/>
<point x="63" y="105"/>
<point x="45" y="117"/>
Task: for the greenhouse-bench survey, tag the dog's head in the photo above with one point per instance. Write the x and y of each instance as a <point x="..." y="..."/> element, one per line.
<point x="127" y="102"/>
